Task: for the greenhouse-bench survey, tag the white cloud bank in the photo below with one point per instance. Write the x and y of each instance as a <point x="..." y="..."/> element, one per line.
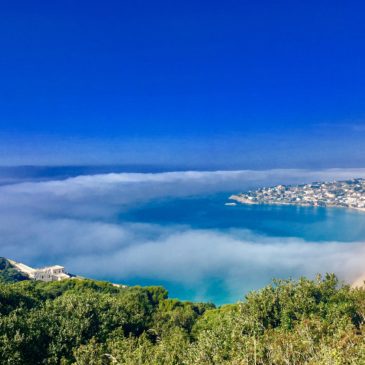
<point x="73" y="222"/>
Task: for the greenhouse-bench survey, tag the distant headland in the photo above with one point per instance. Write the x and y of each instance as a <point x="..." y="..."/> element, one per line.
<point x="345" y="194"/>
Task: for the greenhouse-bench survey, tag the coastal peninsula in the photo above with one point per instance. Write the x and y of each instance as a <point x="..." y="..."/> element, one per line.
<point x="346" y="194"/>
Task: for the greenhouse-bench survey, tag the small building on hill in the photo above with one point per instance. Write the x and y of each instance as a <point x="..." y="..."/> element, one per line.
<point x="51" y="273"/>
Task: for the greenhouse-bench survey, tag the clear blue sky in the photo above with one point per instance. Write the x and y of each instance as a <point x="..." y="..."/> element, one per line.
<point x="214" y="84"/>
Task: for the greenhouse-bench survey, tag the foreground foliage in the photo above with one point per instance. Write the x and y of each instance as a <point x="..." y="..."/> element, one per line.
<point x="83" y="322"/>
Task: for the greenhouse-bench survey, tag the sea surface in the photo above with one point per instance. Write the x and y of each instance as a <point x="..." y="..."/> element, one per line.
<point x="210" y="212"/>
<point x="310" y="224"/>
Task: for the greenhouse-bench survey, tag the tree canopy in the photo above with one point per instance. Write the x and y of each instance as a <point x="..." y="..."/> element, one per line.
<point x="85" y="322"/>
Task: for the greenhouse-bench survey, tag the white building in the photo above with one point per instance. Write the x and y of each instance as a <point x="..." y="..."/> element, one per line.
<point x="51" y="273"/>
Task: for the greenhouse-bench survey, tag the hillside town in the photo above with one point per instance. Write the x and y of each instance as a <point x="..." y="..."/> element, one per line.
<point x="346" y="194"/>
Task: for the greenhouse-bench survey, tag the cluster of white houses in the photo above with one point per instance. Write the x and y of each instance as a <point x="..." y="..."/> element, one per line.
<point x="50" y="273"/>
<point x="347" y="194"/>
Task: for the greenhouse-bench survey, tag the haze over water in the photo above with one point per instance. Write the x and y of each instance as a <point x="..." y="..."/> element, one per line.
<point x="308" y="224"/>
<point x="174" y="229"/>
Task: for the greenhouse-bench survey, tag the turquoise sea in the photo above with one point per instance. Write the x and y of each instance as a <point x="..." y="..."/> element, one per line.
<point x="210" y="212"/>
<point x="311" y="224"/>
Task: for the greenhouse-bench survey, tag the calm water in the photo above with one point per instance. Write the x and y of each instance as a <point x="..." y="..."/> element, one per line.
<point x="209" y="212"/>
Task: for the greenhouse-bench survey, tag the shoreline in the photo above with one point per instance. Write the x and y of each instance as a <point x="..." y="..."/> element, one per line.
<point x="248" y="202"/>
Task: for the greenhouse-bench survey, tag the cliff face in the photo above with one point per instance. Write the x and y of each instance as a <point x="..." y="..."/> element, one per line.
<point x="8" y="273"/>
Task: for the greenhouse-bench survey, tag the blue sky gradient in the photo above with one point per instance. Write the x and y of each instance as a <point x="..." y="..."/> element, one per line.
<point x="239" y="84"/>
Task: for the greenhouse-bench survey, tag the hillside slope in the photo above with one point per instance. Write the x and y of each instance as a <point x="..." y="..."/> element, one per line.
<point x="8" y="273"/>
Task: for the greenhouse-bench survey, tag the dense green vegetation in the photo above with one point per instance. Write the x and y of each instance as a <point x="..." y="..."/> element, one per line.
<point x="8" y="274"/>
<point x="86" y="322"/>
